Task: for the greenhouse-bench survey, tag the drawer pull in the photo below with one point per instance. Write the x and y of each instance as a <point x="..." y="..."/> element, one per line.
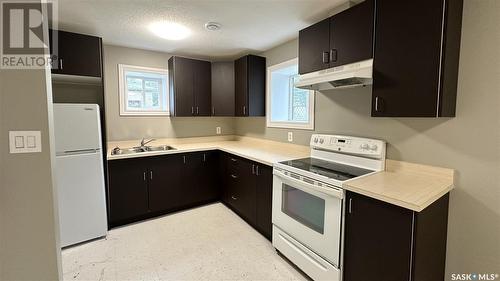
<point x="234" y="197"/>
<point x="233" y="159"/>
<point x="234" y="176"/>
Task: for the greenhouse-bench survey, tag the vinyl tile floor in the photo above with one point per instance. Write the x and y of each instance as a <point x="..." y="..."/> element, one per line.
<point x="206" y="243"/>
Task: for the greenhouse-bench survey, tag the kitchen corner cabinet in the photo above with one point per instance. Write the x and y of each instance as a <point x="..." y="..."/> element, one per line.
<point x="248" y="191"/>
<point x="416" y="58"/>
<point x="384" y="242"/>
<point x="344" y="38"/>
<point x="149" y="186"/>
<point x="190" y="87"/>
<point x="250" y="86"/>
<point x="77" y="54"/>
<point x="223" y="88"/>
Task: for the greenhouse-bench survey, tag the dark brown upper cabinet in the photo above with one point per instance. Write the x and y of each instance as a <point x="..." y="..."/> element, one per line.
<point x="417" y="46"/>
<point x="77" y="54"/>
<point x="314" y="47"/>
<point x="344" y="38"/>
<point x="250" y="86"/>
<point x="223" y="88"/>
<point x="190" y="87"/>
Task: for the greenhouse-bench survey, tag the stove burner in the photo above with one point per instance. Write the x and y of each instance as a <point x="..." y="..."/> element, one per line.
<point x="327" y="169"/>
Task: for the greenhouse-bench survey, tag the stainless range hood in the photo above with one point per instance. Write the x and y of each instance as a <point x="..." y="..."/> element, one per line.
<point x="345" y="76"/>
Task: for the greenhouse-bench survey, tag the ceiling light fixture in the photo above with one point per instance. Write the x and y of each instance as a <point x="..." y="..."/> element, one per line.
<point x="212" y="26"/>
<point x="170" y="30"/>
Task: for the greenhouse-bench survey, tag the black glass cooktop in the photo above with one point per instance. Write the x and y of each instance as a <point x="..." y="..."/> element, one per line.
<point x="328" y="169"/>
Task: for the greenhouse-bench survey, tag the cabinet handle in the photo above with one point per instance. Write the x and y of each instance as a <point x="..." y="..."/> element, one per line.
<point x="257" y="170"/>
<point x="333" y="55"/>
<point x="144" y="176"/>
<point x="192" y="110"/>
<point x="150" y="175"/>
<point x="184" y="159"/>
<point x="204" y="157"/>
<point x="376" y="104"/>
<point x="234" y="197"/>
<point x="326" y="57"/>
<point x="60" y="64"/>
<point x="244" y="110"/>
<point x="253" y="169"/>
<point x="350" y="205"/>
<point x="234" y="176"/>
<point x="213" y="110"/>
<point x="197" y="110"/>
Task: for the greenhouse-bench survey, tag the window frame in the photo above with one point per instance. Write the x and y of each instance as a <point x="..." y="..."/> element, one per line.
<point x="284" y="124"/>
<point x="122" y="68"/>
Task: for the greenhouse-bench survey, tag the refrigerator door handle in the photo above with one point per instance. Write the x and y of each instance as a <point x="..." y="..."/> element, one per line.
<point x="80" y="151"/>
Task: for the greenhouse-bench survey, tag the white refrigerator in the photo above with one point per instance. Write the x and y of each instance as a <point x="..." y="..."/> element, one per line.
<point x="79" y="173"/>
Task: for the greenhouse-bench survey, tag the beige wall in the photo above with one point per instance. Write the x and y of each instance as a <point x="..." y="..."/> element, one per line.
<point x="469" y="143"/>
<point x="126" y="128"/>
<point x="28" y="226"/>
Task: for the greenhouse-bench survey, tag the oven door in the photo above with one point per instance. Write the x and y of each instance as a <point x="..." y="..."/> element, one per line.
<point x="309" y="213"/>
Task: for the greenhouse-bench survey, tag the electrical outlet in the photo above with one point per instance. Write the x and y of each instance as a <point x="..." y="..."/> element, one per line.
<point x="218" y="130"/>
<point x="290" y="136"/>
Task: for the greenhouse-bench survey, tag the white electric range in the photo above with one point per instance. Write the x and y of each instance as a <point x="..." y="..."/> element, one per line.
<point x="308" y="200"/>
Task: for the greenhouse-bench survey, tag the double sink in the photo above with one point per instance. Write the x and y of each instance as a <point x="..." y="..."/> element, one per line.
<point x="140" y="149"/>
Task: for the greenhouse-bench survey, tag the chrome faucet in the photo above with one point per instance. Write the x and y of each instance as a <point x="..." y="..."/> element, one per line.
<point x="144" y="141"/>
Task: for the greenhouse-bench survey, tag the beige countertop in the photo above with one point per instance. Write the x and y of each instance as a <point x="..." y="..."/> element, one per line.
<point x="411" y="186"/>
<point x="408" y="185"/>
<point x="259" y="150"/>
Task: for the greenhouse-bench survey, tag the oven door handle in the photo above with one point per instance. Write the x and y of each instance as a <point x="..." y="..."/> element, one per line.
<point x="305" y="186"/>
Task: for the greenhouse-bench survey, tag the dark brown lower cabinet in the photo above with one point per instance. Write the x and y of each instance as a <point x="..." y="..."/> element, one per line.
<point x="264" y="200"/>
<point x="149" y="186"/>
<point x="247" y="189"/>
<point x="389" y="243"/>
<point x="127" y="190"/>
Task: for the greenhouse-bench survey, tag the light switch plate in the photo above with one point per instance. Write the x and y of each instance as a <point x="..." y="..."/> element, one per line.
<point x="25" y="141"/>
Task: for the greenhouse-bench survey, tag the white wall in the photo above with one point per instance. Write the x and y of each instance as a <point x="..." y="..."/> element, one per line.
<point x="469" y="143"/>
<point x="127" y="128"/>
<point x="28" y="225"/>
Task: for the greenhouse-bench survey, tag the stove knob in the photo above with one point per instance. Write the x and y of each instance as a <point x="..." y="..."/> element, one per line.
<point x="315" y="140"/>
<point x="365" y="146"/>
<point x="321" y="141"/>
<point x="373" y="147"/>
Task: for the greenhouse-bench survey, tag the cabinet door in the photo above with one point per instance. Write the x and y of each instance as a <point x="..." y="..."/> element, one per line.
<point x="190" y="163"/>
<point x="206" y="176"/>
<point x="314" y="47"/>
<point x="223" y="88"/>
<point x="202" y="87"/>
<point x="246" y="190"/>
<point x="264" y="202"/>
<point x="256" y="77"/>
<point x="182" y="87"/>
<point x="406" y="68"/>
<point x="77" y="54"/>
<point x="165" y="190"/>
<point x="128" y="190"/>
<point x="241" y="86"/>
<point x="378" y="240"/>
<point x="351" y="34"/>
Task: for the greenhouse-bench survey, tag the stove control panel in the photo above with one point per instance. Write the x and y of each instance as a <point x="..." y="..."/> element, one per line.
<point x="349" y="145"/>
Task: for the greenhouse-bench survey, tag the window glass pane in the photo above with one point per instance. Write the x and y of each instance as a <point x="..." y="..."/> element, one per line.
<point x="145" y="91"/>
<point x="288" y="103"/>
<point x="304" y="208"/>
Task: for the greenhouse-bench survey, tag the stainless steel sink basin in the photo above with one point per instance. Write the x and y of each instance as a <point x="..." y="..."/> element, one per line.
<point x="141" y="149"/>
<point x="159" y="148"/>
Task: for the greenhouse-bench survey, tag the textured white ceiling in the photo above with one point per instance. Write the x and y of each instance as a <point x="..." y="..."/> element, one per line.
<point x="247" y="25"/>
